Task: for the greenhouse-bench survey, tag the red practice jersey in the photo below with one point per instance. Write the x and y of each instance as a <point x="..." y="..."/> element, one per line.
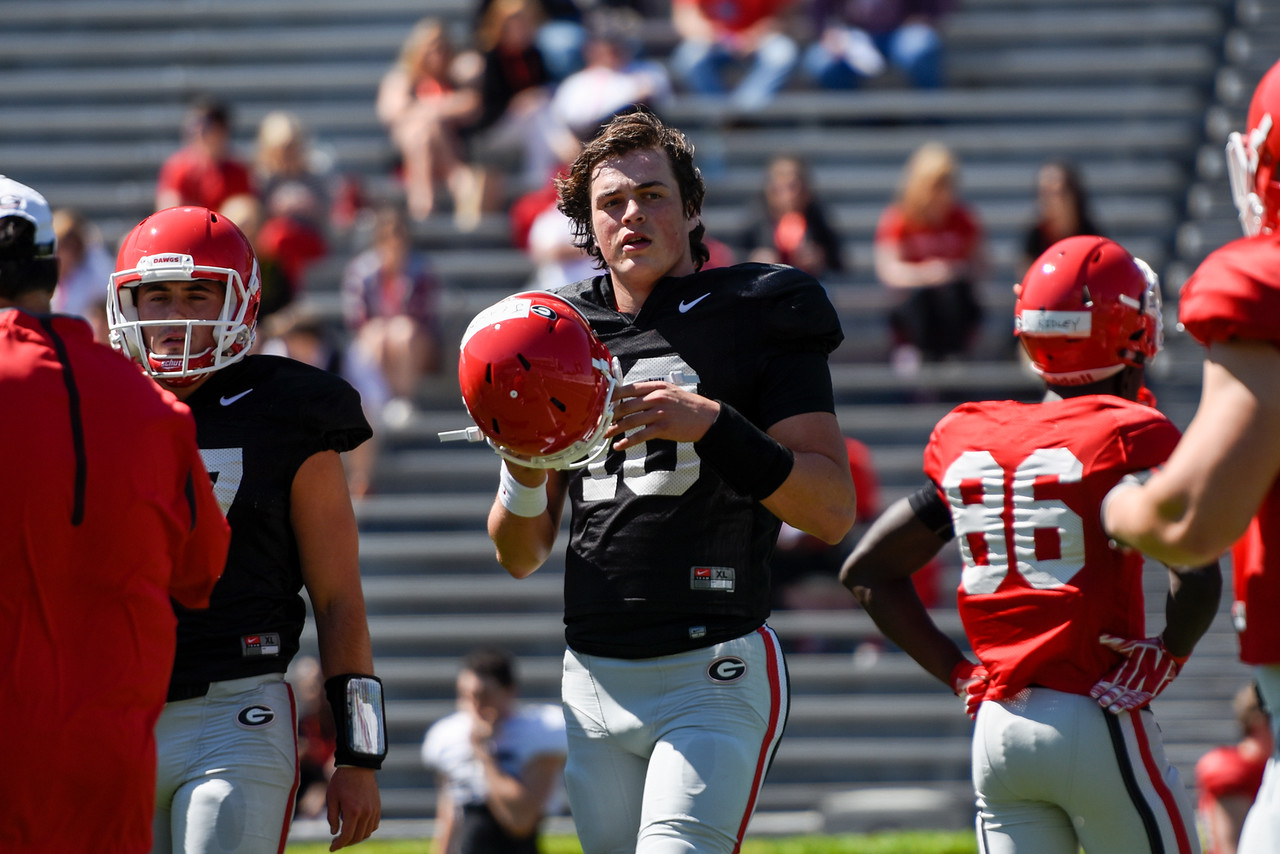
<point x="106" y="512"/>
<point x="1040" y="582"/>
<point x="201" y="181"/>
<point x="1235" y="294"/>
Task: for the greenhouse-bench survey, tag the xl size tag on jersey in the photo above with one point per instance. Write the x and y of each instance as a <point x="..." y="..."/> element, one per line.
<point x="712" y="578"/>
<point x="253" y="646"/>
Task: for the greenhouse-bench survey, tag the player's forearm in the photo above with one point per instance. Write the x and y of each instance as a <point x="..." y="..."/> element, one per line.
<point x="342" y="634"/>
<point x="1191" y="606"/>
<point x="521" y="544"/>
<point x="897" y="611"/>
<point x="512" y="804"/>
<point x="817" y="497"/>
<point x="1166" y="529"/>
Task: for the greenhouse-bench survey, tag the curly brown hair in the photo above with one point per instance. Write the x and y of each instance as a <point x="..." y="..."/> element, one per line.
<point x="637" y="130"/>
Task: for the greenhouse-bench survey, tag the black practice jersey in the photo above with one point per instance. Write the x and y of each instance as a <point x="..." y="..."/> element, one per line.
<point x="257" y="421"/>
<point x="663" y="555"/>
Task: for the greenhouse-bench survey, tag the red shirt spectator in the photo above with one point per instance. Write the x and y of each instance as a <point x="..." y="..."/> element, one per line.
<point x="203" y="172"/>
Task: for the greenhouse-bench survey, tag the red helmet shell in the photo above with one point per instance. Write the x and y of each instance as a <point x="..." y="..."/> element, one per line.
<point x="1086" y="308"/>
<point x="536" y="380"/>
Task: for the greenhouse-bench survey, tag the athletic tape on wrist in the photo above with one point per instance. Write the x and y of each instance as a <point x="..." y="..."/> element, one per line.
<point x="747" y="458"/>
<point x="520" y="500"/>
<point x="361" y="722"/>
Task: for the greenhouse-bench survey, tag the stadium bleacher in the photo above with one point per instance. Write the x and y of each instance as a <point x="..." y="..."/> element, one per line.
<point x="1137" y="92"/>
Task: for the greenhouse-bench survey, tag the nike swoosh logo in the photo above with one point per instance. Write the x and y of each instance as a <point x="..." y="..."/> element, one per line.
<point x="227" y="401"/>
<point x="685" y="306"/>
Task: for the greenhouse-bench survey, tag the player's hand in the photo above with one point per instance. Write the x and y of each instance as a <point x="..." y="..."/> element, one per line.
<point x="355" y="806"/>
<point x="969" y="682"/>
<point x="1147" y="669"/>
<point x="656" y="409"/>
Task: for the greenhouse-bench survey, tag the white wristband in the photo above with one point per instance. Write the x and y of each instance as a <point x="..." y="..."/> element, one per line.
<point x="520" y="500"/>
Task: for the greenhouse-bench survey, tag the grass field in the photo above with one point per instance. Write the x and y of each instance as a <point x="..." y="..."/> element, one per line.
<point x="906" y="842"/>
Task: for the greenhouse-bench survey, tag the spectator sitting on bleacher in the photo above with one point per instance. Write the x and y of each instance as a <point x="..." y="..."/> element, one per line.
<point x="1062" y="210"/>
<point x="424" y="101"/>
<point x="515" y="115"/>
<point x="1228" y="777"/>
<point x="716" y="34"/>
<point x="615" y="78"/>
<point x="295" y="198"/>
<point x="858" y="39"/>
<point x="84" y="265"/>
<point x="277" y="288"/>
<point x="389" y="295"/>
<point x="929" y="247"/>
<point x="204" y="171"/>
<point x="561" y="35"/>
<point x="790" y="224"/>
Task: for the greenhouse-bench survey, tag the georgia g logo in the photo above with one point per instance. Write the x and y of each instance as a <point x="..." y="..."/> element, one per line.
<point x="544" y="311"/>
<point x="727" y="669"/>
<point x="255" y="717"/>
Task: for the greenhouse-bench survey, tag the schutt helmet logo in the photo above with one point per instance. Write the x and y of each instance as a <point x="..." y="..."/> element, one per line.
<point x="727" y="669"/>
<point x="255" y="717"/>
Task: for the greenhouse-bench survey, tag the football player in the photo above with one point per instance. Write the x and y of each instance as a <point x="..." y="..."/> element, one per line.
<point x="1222" y="483"/>
<point x="94" y="543"/>
<point x="183" y="304"/>
<point x="1066" y="753"/>
<point x="722" y="425"/>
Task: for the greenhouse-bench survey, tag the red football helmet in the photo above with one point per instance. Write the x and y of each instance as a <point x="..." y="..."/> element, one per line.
<point x="538" y="382"/>
<point x="1086" y="308"/>
<point x="185" y="244"/>
<point x="1252" y="158"/>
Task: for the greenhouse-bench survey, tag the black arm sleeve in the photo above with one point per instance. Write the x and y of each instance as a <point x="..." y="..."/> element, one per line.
<point x="932" y="510"/>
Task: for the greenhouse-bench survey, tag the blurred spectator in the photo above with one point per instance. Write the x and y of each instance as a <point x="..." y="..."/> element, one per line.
<point x="929" y="246"/>
<point x="317" y="738"/>
<point x="84" y="266"/>
<point x="1062" y="210"/>
<point x="278" y="288"/>
<point x="790" y="225"/>
<point x="204" y="171"/>
<point x="299" y="333"/>
<point x="722" y="254"/>
<point x="389" y="295"/>
<point x="858" y="39"/>
<point x="1228" y="777"/>
<point x="499" y="764"/>
<point x="614" y="78"/>
<point x="293" y="177"/>
<point x="717" y="34"/>
<point x="557" y="259"/>
<point x="515" y="115"/>
<point x="560" y="35"/>
<point x="424" y="100"/>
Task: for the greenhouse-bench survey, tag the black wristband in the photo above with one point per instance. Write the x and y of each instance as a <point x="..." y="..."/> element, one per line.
<point x="361" y="723"/>
<point x="747" y="458"/>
